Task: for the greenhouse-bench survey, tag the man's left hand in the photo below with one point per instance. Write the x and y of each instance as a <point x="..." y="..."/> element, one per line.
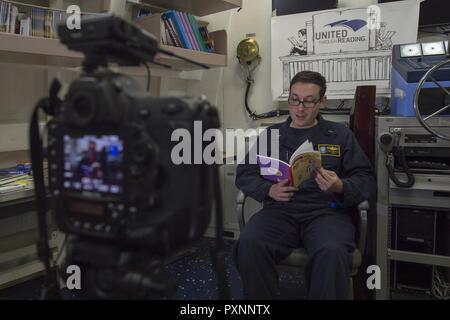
<point x="328" y="181"/>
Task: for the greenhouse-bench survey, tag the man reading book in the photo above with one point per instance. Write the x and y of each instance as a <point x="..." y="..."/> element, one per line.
<point x="316" y="214"/>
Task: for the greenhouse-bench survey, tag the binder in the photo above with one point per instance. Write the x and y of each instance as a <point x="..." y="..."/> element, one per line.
<point x="177" y="25"/>
<point x="189" y="32"/>
<point x="197" y="34"/>
<point x="171" y="29"/>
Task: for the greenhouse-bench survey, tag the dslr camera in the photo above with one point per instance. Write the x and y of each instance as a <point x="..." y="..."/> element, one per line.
<point x="114" y="190"/>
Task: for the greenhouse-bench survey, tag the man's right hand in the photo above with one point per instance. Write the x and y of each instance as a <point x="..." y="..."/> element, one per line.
<point x="282" y="191"/>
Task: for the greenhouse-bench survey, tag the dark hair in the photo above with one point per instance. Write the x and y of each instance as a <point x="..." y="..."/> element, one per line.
<point x="311" y="77"/>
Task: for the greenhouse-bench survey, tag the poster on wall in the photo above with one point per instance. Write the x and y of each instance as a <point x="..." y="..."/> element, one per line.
<point x="349" y="46"/>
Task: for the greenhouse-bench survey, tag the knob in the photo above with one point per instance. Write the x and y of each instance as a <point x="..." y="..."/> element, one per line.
<point x="142" y="152"/>
<point x="144" y="113"/>
<point x="386" y="138"/>
<point x="172" y="108"/>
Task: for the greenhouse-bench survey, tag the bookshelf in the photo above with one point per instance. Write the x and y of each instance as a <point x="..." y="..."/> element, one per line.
<point x="50" y="52"/>
<point x="217" y="59"/>
<point x="40" y="50"/>
<point x="15" y="48"/>
<point x="11" y="158"/>
<point x="197" y="8"/>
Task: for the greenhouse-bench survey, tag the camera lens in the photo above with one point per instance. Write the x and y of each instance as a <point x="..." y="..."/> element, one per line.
<point x="82" y="110"/>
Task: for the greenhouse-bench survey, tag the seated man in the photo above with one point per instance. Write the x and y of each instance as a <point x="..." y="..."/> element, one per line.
<point x="315" y="216"/>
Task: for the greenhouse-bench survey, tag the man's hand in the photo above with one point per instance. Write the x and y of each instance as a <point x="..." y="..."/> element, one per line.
<point x="328" y="181"/>
<point x="282" y="191"/>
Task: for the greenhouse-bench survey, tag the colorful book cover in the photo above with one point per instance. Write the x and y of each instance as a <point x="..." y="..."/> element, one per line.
<point x="300" y="168"/>
<point x="273" y="169"/>
<point x="174" y="21"/>
<point x="183" y="30"/>
<point x="170" y="28"/>
<point x="197" y="34"/>
<point x="189" y="31"/>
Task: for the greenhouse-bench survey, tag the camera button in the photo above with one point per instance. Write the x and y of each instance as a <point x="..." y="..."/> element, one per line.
<point x="144" y="113"/>
<point x="172" y="108"/>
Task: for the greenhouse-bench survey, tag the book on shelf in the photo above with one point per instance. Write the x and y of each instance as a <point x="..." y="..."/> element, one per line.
<point x="171" y="30"/>
<point x="172" y="16"/>
<point x="195" y="28"/>
<point x="183" y="31"/>
<point x="207" y="40"/>
<point x="28" y="20"/>
<point x="188" y="30"/>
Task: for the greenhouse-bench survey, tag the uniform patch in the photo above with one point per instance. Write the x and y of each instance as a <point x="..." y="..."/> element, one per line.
<point x="333" y="150"/>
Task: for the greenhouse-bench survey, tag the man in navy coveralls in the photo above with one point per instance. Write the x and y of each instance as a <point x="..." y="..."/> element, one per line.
<point x="315" y="216"/>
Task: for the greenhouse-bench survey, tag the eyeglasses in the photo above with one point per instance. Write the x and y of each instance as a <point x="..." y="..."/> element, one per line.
<point x="294" y="101"/>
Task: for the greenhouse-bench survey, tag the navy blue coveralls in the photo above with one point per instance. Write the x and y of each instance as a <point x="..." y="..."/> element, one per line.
<point x="317" y="220"/>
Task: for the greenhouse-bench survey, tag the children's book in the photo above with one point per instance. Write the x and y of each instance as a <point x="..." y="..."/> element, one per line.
<point x="300" y="168"/>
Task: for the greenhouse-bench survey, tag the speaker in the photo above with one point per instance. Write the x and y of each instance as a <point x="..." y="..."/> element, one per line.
<point x="414" y="231"/>
<point x="443" y="238"/>
<point x="443" y="233"/>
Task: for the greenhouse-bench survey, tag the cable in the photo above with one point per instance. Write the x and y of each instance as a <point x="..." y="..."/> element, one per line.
<point x="252" y="114"/>
<point x="383" y="109"/>
<point x="404" y="165"/>
<point x="441" y="286"/>
<point x="50" y="289"/>
<point x="149" y="74"/>
<point x="341" y="105"/>
<point x="247" y="70"/>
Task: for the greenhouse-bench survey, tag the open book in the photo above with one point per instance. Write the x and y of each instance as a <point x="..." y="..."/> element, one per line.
<point x="300" y="167"/>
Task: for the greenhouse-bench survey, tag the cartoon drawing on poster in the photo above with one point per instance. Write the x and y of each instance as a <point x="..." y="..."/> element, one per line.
<point x="384" y="38"/>
<point x="299" y="45"/>
<point x="342" y="45"/>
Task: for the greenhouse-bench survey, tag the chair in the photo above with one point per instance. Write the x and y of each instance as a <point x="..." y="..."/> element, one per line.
<point x="246" y="206"/>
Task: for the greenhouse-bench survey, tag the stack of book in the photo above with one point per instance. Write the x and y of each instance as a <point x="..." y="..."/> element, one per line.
<point x="28" y="20"/>
<point x="12" y="183"/>
<point x="180" y="29"/>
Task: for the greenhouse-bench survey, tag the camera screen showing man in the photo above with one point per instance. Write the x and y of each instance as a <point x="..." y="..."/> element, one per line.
<point x="93" y="163"/>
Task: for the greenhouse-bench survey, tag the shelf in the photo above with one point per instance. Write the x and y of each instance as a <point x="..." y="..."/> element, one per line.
<point x="152" y="24"/>
<point x="12" y="158"/>
<point x="212" y="60"/>
<point x="15" y="48"/>
<point x="196" y="7"/>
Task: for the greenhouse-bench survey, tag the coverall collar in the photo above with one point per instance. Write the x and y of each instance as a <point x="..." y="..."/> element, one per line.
<point x="323" y="126"/>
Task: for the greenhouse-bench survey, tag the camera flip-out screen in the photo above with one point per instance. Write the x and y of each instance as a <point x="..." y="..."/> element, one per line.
<point x="93" y="163"/>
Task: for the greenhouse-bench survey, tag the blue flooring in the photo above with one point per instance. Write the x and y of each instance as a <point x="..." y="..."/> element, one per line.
<point x="193" y="274"/>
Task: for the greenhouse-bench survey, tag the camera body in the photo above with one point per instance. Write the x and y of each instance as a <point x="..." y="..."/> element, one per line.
<point x="111" y="175"/>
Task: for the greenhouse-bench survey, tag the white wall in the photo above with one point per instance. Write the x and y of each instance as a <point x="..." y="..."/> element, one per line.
<point x="226" y="87"/>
